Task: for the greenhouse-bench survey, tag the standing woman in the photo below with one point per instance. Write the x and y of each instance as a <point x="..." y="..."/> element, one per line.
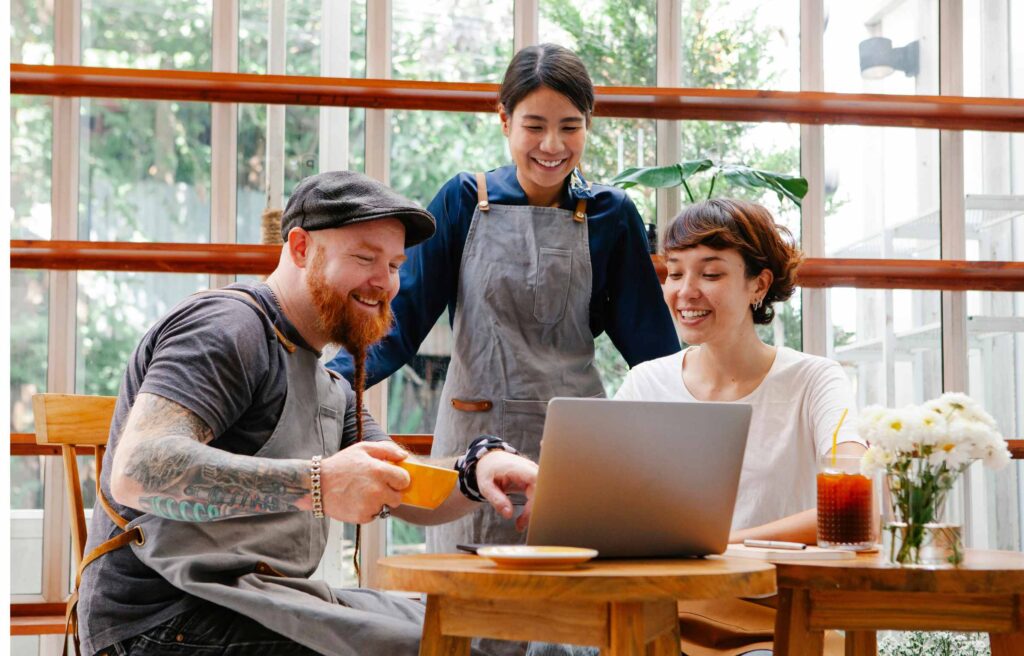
<point x="532" y="263"/>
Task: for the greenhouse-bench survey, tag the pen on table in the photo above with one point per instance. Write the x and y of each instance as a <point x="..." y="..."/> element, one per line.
<point x="774" y="544"/>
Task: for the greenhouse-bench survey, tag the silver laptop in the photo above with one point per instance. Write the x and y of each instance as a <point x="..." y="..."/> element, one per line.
<point x="639" y="478"/>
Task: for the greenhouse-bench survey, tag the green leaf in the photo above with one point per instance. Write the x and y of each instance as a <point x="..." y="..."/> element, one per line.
<point x="791" y="187"/>
<point x="661" y="177"/>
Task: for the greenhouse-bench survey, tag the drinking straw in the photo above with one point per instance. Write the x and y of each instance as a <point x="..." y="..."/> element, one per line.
<point x="835" y="435"/>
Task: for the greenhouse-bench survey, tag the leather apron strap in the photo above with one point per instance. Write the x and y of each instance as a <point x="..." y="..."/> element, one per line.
<point x="135" y="534"/>
<point x="579" y="215"/>
<point x="481" y="192"/>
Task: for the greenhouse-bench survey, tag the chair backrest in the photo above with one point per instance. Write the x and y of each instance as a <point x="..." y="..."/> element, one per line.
<point x="74" y="421"/>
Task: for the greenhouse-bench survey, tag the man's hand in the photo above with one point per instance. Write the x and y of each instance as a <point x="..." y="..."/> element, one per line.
<point x="356" y="482"/>
<point x="498" y="473"/>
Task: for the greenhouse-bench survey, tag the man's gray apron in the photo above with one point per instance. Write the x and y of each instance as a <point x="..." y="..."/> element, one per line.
<point x="259" y="566"/>
<point x="521" y="336"/>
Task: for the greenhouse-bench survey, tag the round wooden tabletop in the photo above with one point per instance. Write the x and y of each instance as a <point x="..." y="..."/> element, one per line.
<point x="982" y="572"/>
<point x="474" y="577"/>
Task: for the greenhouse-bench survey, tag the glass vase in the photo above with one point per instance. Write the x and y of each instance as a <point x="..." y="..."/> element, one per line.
<point x="918" y="534"/>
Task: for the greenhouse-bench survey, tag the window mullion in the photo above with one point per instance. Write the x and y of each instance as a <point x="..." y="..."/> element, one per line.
<point x="224" y="135"/>
<point x="378" y="156"/>
<point x="276" y="54"/>
<point x="669" y="74"/>
<point x="525" y="21"/>
<point x="60" y="365"/>
<point x="815" y="320"/>
<point x="335" y="46"/>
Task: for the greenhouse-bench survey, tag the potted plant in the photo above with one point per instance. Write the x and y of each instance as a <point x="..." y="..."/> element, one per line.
<point x="923" y="450"/>
<point x="722" y="176"/>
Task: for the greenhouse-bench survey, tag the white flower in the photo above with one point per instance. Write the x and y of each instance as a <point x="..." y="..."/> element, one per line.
<point x="867" y="425"/>
<point x="894" y="430"/>
<point x="953" y="404"/>
<point x="875" y="459"/>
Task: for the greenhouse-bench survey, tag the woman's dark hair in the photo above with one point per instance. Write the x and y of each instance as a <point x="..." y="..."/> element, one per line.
<point x="552" y="66"/>
<point x="749" y="228"/>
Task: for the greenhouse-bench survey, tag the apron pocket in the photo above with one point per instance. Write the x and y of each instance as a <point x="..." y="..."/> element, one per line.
<point x="551" y="286"/>
<point x="522" y="425"/>
<point x="330" y="429"/>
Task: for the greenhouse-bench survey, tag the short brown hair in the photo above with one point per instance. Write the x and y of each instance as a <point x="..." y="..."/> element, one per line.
<point x="749" y="228"/>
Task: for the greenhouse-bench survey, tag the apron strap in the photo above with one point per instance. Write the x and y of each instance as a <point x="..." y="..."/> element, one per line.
<point x="580" y="215"/>
<point x="133" y="535"/>
<point x="481" y="192"/>
<point x="249" y="300"/>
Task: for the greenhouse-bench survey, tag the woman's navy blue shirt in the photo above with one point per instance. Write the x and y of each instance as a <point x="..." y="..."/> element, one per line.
<point x="626" y="300"/>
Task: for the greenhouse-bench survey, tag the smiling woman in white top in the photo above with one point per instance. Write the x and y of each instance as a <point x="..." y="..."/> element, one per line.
<point x="728" y="264"/>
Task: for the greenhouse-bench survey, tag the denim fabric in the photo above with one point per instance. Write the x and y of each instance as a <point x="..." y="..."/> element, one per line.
<point x="205" y="631"/>
<point x="552" y="649"/>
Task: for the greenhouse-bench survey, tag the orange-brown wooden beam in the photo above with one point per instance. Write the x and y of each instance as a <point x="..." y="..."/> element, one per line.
<point x="255" y="259"/>
<point x="24" y="444"/>
<point x="817" y="108"/>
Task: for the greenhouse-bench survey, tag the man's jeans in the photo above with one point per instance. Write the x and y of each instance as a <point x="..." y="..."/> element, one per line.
<point x="207" y="630"/>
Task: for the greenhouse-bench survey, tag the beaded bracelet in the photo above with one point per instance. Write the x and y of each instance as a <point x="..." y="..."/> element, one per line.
<point x="466" y="465"/>
<point x="314" y="492"/>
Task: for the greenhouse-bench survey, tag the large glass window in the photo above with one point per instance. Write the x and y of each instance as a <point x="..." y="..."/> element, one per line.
<point x="993" y="51"/>
<point x="741" y="44"/>
<point x="114" y="310"/>
<point x="616" y="40"/>
<point x="31" y="139"/>
<point x="882" y="47"/>
<point x="171" y="34"/>
<point x="882" y="201"/>
<point x="451" y="40"/>
<point x="31" y="32"/>
<point x="29" y="333"/>
<point x="304" y="146"/>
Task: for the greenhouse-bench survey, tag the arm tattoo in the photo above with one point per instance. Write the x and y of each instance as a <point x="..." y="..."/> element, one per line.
<point x="184" y="479"/>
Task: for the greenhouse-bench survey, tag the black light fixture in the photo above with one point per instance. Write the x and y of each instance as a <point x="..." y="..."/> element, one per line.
<point x="879" y="59"/>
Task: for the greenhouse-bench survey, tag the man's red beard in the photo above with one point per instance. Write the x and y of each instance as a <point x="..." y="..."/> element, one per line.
<point x="344" y="323"/>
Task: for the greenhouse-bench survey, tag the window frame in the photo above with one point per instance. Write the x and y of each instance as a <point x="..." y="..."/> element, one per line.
<point x="815" y="317"/>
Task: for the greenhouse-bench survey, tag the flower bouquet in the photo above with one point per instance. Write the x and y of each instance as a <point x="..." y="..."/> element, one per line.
<point x="923" y="450"/>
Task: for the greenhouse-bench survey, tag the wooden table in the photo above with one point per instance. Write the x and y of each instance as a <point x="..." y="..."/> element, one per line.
<point x="623" y="607"/>
<point x="862" y="596"/>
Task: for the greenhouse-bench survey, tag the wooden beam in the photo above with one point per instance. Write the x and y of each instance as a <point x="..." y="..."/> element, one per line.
<point x="260" y="260"/>
<point x="24" y="444"/>
<point x="805" y="107"/>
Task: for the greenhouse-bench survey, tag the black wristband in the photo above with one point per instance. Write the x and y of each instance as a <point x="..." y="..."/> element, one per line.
<point x="466" y="465"/>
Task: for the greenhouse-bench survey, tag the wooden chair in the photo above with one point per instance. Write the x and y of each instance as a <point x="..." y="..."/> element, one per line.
<point x="74" y="421"/>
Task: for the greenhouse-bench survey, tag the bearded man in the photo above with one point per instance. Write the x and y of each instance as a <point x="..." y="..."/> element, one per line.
<point x="231" y="445"/>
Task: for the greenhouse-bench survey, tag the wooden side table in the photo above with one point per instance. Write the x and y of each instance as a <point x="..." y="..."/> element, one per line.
<point x="623" y="607"/>
<point x="862" y="596"/>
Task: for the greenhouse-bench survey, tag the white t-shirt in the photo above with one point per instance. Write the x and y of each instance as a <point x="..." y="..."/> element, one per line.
<point x="795" y="410"/>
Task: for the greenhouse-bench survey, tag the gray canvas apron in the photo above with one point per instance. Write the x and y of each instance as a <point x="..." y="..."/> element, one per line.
<point x="259" y="566"/>
<point x="521" y="336"/>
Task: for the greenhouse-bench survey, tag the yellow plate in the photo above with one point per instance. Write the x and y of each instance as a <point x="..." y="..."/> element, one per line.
<point x="430" y="485"/>
<point x="524" y="557"/>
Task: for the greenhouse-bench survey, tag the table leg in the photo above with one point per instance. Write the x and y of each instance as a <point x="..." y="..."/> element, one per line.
<point x="1007" y="644"/>
<point x="666" y="644"/>
<point x="625" y="629"/>
<point x="861" y="643"/>
<point x="435" y="643"/>
<point x="793" y="635"/>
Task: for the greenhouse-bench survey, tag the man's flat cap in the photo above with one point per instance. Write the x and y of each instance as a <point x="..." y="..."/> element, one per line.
<point x="340" y="198"/>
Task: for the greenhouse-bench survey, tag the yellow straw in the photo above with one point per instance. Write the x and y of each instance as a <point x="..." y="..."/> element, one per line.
<point x="835" y="435"/>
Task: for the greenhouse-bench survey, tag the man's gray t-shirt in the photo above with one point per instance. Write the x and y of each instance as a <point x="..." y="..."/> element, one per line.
<point x="218" y="357"/>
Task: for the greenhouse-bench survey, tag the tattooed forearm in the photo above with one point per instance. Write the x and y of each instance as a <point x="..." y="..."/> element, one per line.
<point x="173" y="475"/>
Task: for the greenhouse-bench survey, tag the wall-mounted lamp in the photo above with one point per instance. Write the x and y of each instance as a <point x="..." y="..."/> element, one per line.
<point x="878" y="58"/>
